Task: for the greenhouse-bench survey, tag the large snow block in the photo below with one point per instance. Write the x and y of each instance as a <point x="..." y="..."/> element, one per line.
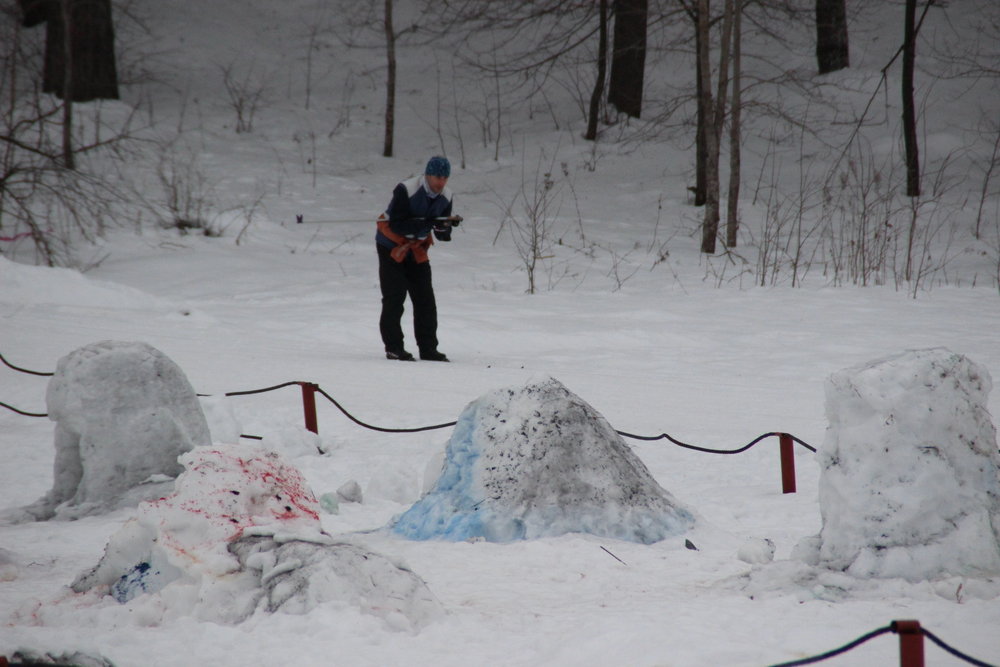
<point x="124" y="412"/>
<point x="538" y="461"/>
<point x="909" y="483"/>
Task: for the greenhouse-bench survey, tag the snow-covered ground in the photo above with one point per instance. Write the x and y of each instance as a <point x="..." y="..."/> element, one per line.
<point x="654" y="342"/>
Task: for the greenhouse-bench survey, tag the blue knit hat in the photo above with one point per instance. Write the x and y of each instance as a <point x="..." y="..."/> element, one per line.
<point x="438" y="166"/>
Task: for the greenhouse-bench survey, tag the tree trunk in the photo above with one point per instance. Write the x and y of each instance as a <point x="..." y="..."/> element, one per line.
<point x="909" y="113"/>
<point x="732" y="210"/>
<point x="700" y="154"/>
<point x="628" y="59"/>
<point x="390" y="84"/>
<point x="89" y="43"/>
<point x="67" y="81"/>
<point x="710" y="226"/>
<point x="723" y="82"/>
<point x="831" y="36"/>
<point x="602" y="69"/>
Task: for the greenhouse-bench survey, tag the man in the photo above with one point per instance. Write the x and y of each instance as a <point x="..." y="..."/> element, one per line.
<point x="420" y="205"/>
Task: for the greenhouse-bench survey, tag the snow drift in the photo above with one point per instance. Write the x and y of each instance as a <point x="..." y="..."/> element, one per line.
<point x="124" y="412"/>
<point x="538" y="461"/>
<point x="240" y="534"/>
<point x="909" y="483"/>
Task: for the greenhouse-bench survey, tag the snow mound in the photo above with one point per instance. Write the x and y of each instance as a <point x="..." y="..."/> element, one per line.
<point x="538" y="461"/>
<point x="54" y="285"/>
<point x="124" y="412"/>
<point x="909" y="484"/>
<point x="240" y="533"/>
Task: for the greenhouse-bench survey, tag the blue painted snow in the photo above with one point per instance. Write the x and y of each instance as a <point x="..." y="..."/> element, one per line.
<point x="454" y="509"/>
<point x="142" y="578"/>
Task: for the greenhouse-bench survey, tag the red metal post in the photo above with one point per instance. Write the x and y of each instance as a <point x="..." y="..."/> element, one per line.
<point x="911" y="643"/>
<point x="309" y="405"/>
<point x="787" y="463"/>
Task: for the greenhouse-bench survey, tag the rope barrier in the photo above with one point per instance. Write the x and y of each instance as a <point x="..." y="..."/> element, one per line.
<point x="418" y="429"/>
<point x="22" y="412"/>
<point x="665" y="436"/>
<point x="257" y="391"/>
<point x="380" y="428"/>
<point x="910" y="644"/>
<point x="837" y="651"/>
<point x="954" y="651"/>
<point x="310" y="388"/>
<point x="23" y="370"/>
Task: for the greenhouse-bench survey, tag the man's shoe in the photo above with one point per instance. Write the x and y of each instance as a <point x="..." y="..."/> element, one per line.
<point x="399" y="355"/>
<point x="433" y="355"/>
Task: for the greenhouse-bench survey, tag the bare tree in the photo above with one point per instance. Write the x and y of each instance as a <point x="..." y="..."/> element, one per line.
<point x="246" y="92"/>
<point x="701" y="125"/>
<point x="735" y="130"/>
<point x="530" y="214"/>
<point x="369" y="25"/>
<point x="909" y="113"/>
<point x="710" y="224"/>
<point x="602" y="65"/>
<point x="692" y="9"/>
<point x="65" y="11"/>
<point x="42" y="202"/>
<point x="534" y="43"/>
<point x="911" y="30"/>
<point x="390" y="81"/>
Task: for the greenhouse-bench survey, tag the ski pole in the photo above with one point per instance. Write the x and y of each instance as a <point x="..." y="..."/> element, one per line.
<point x="300" y="219"/>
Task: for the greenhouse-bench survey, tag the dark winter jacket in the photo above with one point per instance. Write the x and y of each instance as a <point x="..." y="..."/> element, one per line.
<point x="410" y="215"/>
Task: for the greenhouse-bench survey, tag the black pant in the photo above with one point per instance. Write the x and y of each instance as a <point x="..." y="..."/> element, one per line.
<point x="397" y="279"/>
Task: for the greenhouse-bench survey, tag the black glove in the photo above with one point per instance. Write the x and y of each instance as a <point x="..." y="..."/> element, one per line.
<point x="442" y="233"/>
<point x="445" y="224"/>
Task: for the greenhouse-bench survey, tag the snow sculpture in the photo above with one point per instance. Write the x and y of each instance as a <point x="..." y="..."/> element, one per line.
<point x="124" y="412"/>
<point x="538" y="461"/>
<point x="909" y="483"/>
<point x="240" y="533"/>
